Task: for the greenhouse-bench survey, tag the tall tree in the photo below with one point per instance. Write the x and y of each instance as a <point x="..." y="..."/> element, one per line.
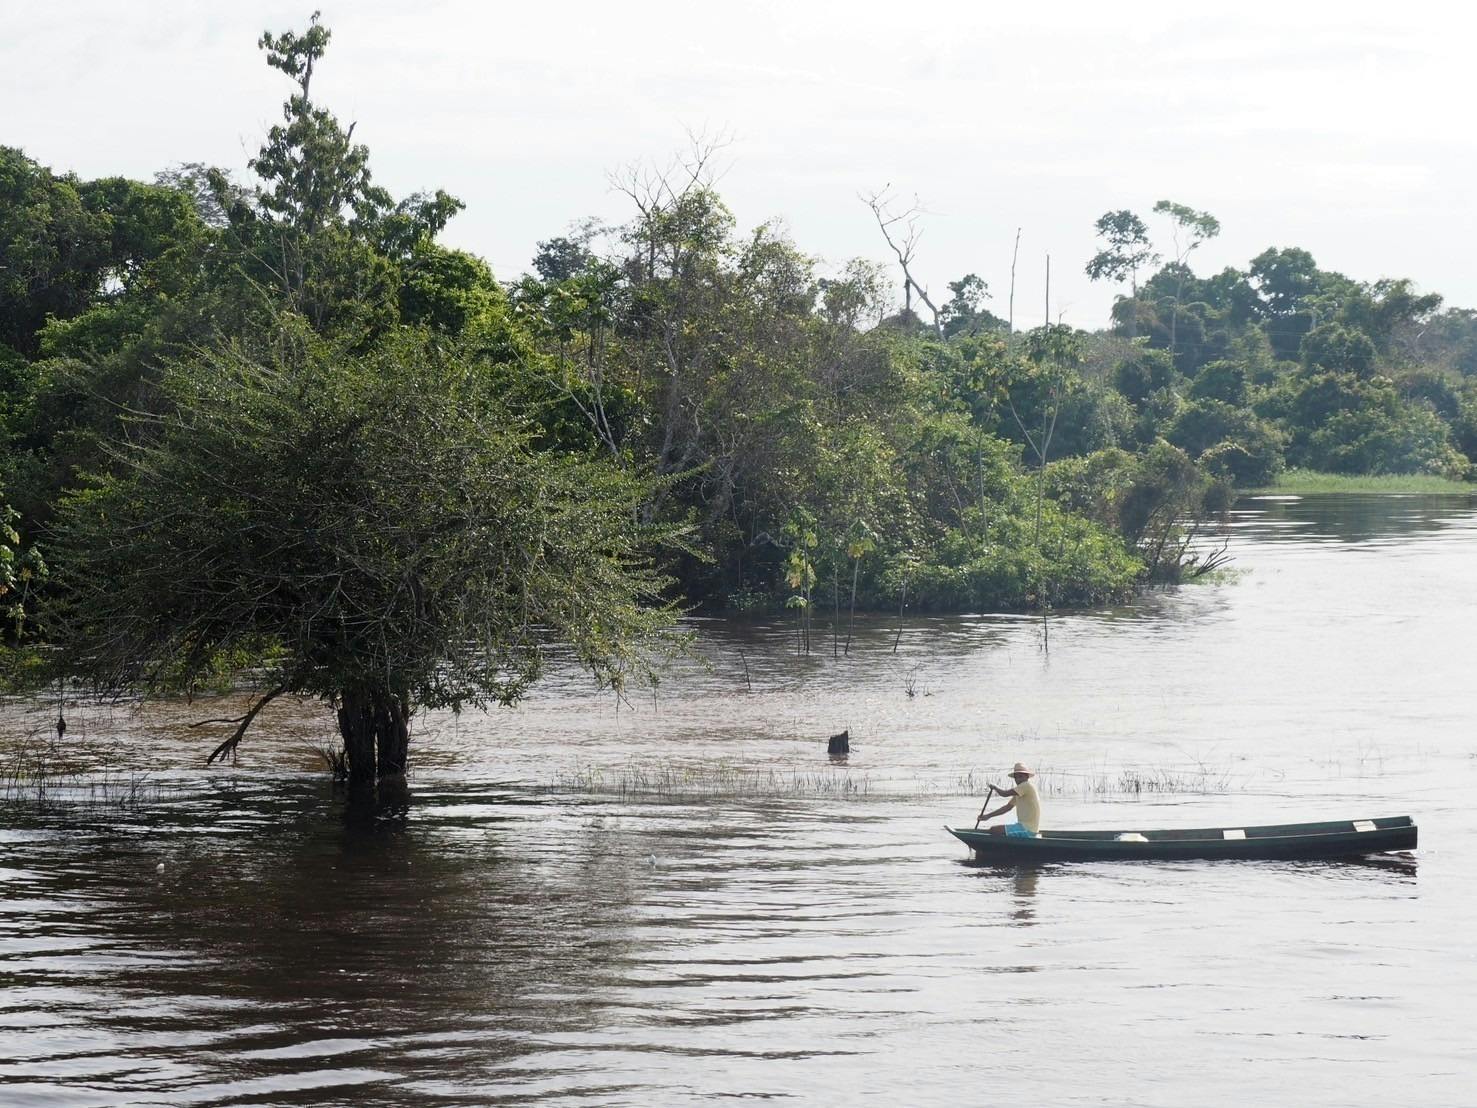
<point x="1127" y="250"/>
<point x="320" y="226"/>
<point x="1189" y="230"/>
<point x="964" y="310"/>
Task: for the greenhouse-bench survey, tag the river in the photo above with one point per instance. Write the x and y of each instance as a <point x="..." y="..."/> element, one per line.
<point x="680" y="899"/>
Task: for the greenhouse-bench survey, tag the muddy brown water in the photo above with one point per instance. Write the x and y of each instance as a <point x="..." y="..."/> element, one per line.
<point x="773" y="926"/>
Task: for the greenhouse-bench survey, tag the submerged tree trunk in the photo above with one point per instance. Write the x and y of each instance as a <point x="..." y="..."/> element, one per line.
<point x="856" y="566"/>
<point x="375" y="725"/>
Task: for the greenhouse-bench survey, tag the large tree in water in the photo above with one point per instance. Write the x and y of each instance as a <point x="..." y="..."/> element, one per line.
<point x="376" y="530"/>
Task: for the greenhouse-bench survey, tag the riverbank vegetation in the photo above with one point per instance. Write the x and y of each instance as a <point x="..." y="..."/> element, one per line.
<point x="273" y="428"/>
<point x="1304" y="481"/>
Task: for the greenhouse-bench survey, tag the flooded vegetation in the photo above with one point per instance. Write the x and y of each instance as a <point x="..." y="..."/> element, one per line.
<point x="684" y="898"/>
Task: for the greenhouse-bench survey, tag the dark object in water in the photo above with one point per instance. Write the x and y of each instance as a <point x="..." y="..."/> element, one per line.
<point x="840" y="744"/>
<point x="1339" y="839"/>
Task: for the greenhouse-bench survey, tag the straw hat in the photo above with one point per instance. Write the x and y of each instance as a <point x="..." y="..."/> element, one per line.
<point x="1020" y="767"/>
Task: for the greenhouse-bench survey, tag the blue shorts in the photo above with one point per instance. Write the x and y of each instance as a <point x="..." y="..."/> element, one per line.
<point x="1018" y="831"/>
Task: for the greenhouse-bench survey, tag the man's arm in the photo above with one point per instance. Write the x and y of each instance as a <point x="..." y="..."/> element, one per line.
<point x="984" y="815"/>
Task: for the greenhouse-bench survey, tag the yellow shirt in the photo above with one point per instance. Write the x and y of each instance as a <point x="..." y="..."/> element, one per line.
<point x="1028" y="807"/>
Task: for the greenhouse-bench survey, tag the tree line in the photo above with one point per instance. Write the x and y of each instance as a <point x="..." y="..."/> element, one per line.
<point x="275" y="428"/>
<point x="1283" y="363"/>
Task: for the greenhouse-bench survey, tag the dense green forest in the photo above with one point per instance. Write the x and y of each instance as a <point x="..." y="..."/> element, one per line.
<point x="220" y="399"/>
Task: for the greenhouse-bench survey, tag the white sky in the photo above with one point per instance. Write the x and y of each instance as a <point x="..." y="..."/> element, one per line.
<point x="1344" y="128"/>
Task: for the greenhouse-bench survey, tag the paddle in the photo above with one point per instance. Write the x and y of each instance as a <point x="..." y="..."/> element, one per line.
<point x="989" y="792"/>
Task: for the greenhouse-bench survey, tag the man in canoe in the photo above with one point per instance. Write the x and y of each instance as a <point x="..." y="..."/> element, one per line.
<point x="1023" y="800"/>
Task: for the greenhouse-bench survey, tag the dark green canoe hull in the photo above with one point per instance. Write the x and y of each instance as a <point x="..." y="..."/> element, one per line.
<point x="1339" y="839"/>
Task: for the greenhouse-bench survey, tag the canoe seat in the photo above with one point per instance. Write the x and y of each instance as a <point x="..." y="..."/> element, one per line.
<point x="1363" y="825"/>
<point x="1233" y="833"/>
<point x="1131" y="837"/>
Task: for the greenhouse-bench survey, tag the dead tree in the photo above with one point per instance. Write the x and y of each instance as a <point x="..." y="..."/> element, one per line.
<point x="1010" y="310"/>
<point x="903" y="233"/>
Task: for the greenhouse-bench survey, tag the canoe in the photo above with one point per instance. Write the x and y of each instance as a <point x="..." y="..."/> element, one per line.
<point x="1338" y="839"/>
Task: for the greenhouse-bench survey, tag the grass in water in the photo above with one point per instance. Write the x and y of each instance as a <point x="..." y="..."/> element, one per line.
<point x="38" y="776"/>
<point x="674" y="782"/>
<point x="1160" y="780"/>
<point x="726" y="781"/>
<point x="1129" y="783"/>
<point x="1300" y="481"/>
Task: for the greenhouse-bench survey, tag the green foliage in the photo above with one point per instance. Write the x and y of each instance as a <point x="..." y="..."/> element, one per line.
<point x="1447" y="341"/>
<point x="1190" y="227"/>
<point x="1127" y="248"/>
<point x="1339" y="349"/>
<point x="22" y="569"/>
<point x="312" y="167"/>
<point x="1387" y="308"/>
<point x="1148" y="372"/>
<point x="1365" y="394"/>
<point x="1283" y="279"/>
<point x="812" y="455"/>
<point x="964" y="312"/>
<point x="1368" y="440"/>
<point x="1224" y="381"/>
<point x="1346" y="423"/>
<point x="1464" y="429"/>
<point x="1073" y="563"/>
<point x="1228" y="440"/>
<point x="1252" y="457"/>
<point x="449" y="291"/>
<point x="1440" y="390"/>
<point x="1160" y="501"/>
<point x="1306" y="481"/>
<point x="372" y="520"/>
<point x="53" y="250"/>
<point x="197" y="262"/>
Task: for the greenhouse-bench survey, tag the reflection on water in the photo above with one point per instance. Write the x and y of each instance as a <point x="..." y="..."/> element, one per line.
<point x="1024" y="887"/>
<point x="510" y="943"/>
<point x="1353" y="517"/>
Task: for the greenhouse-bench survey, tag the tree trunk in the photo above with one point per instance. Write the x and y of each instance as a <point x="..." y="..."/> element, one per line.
<point x="902" y="602"/>
<point x="836" y="613"/>
<point x="356" y="725"/>
<point x="394" y="738"/>
<point x="1010" y="311"/>
<point x="856" y="566"/>
<point x="375" y="725"/>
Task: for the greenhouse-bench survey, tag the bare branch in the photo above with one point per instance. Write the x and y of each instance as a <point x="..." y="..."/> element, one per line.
<point x="904" y="244"/>
<point x="242" y="723"/>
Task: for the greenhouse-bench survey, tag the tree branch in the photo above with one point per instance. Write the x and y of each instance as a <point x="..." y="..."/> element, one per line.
<point x="242" y="723"/>
<point x="878" y="202"/>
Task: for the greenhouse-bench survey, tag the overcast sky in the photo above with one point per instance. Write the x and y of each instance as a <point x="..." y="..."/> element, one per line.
<point x="1344" y="128"/>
